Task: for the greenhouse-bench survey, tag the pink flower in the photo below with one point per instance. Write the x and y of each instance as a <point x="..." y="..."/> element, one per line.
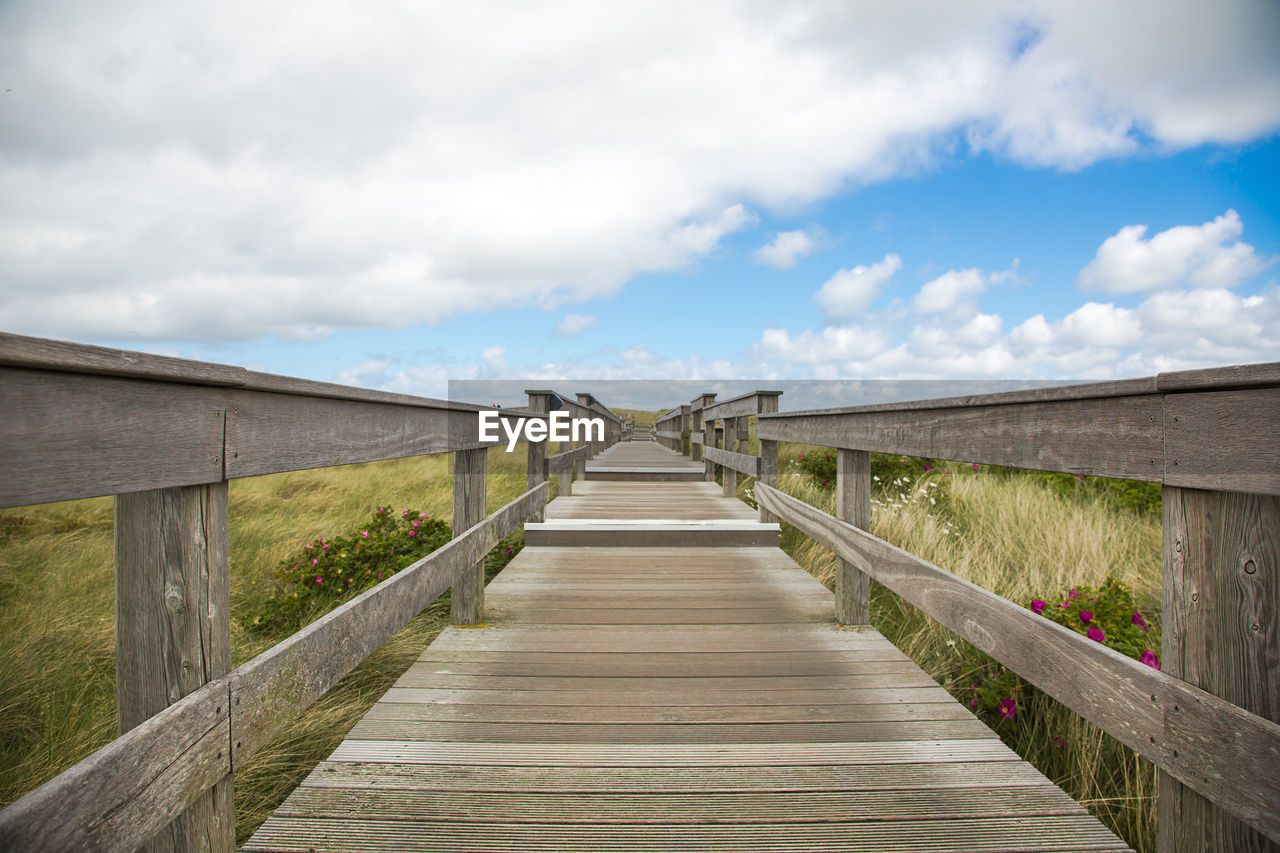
<point x="1079" y="476"/>
<point x="364" y="534"/>
<point x="1008" y="709"/>
<point x="824" y="482"/>
<point x="1086" y="615"/>
<point x="973" y="703"/>
<point x="319" y="580"/>
<point x="308" y="544"/>
<point x="1064" y="605"/>
<point x="324" y="547"/>
<point x="508" y="551"/>
<point x="1073" y="594"/>
<point x="422" y="515"/>
<point x="413" y="533"/>
<point x="379" y="575"/>
<point x="314" y="561"/>
<point x="416" y="523"/>
<point x="1150" y="659"/>
<point x="404" y="514"/>
<point x="1139" y="621"/>
<point x="1037" y="606"/>
<point x="1096" y="634"/>
<point x="928" y="467"/>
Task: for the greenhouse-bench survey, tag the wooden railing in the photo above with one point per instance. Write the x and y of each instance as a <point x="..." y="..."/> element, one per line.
<point x="1210" y="721"/>
<point x="165" y="436"/>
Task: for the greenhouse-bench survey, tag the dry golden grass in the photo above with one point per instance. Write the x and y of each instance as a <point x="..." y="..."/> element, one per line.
<point x="1017" y="538"/>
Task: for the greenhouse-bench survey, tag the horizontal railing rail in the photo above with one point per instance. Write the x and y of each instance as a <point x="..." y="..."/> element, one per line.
<point x="1210" y="721"/>
<point x="164" y="436"/>
<point x="1227" y="754"/>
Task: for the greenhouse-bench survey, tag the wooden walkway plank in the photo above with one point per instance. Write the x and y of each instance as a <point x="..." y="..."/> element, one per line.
<point x="659" y="698"/>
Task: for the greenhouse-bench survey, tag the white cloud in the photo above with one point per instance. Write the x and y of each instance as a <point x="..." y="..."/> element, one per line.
<point x="848" y="293"/>
<point x="1208" y="255"/>
<point x="832" y="345"/>
<point x="572" y="325"/>
<point x="785" y="250"/>
<point x="208" y="173"/>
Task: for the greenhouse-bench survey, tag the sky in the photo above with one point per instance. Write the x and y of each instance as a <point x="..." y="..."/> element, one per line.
<point x="396" y="195"/>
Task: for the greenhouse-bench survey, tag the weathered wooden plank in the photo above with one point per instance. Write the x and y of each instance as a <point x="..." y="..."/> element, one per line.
<point x="1222" y="751"/>
<point x="1221" y="634"/>
<point x="719" y="701"/>
<point x="1051" y="833"/>
<point x="85" y="359"/>
<point x="173" y="627"/>
<point x="942" y="709"/>
<point x="65" y="436"/>
<point x="1223" y="440"/>
<point x="273" y="687"/>
<point x="466" y="600"/>
<point x="1221" y="378"/>
<point x="753" y="807"/>
<point x="562" y="462"/>
<point x="740" y="462"/>
<point x="270" y="433"/>
<point x="132" y="788"/>
<point x="1106" y="437"/>
<point x="668" y="732"/>
<point x="535" y="467"/>
<point x="844" y="779"/>
<point x="750" y="403"/>
<point x="853" y="504"/>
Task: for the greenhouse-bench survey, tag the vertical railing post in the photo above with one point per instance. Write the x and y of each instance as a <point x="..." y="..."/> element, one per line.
<point x="768" y="455"/>
<point x="466" y="601"/>
<point x="730" y="443"/>
<point x="584" y="400"/>
<point x="699" y="425"/>
<point x="1221" y="558"/>
<point x="539" y="401"/>
<point x="708" y="440"/>
<point x="684" y="430"/>
<point x="173" y="627"/>
<point x="853" y="504"/>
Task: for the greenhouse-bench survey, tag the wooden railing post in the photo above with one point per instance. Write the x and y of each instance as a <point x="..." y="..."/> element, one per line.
<point x="731" y="442"/>
<point x="539" y="401"/>
<point x="684" y="430"/>
<point x="466" y="605"/>
<point x="584" y="400"/>
<point x="853" y="504"/>
<point x="699" y="425"/>
<point x="708" y="440"/>
<point x="173" y="627"/>
<point x="1221" y="634"/>
<point x="768" y="456"/>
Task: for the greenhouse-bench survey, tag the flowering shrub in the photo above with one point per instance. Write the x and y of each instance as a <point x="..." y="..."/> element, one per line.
<point x="1106" y="615"/>
<point x="325" y="572"/>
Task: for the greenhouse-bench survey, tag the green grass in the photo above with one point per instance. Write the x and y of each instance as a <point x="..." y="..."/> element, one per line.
<point x="1016" y="536"/>
<point x="57" y="676"/>
<point x="1022" y="539"/>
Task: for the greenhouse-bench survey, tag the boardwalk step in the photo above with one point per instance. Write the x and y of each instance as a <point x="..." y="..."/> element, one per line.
<point x="672" y="474"/>
<point x="654" y="532"/>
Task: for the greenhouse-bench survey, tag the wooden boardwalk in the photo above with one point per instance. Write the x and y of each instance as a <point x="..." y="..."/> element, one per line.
<point x="650" y="697"/>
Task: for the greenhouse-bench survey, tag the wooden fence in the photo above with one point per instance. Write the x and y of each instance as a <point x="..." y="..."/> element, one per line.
<point x="164" y="436"/>
<point x="1209" y="720"/>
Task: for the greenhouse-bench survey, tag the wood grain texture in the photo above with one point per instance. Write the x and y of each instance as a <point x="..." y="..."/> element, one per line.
<point x="173" y="627"/>
<point x="853" y="504"/>
<point x="134" y="787"/>
<point x="1222" y="751"/>
<point x="270" y="690"/>
<point x="62" y="356"/>
<point x="1221" y="378"/>
<point x="739" y="462"/>
<point x="466" y="601"/>
<point x="535" y="469"/>
<point x="627" y="699"/>
<point x="1221" y="634"/>
<point x="1224" y="440"/>
<point x="744" y="404"/>
<point x="1106" y="437"/>
<point x="65" y="436"/>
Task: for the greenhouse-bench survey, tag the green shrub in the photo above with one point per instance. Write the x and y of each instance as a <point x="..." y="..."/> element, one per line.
<point x="326" y="572"/>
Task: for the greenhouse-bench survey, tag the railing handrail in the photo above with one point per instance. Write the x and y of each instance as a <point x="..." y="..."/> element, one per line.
<point x="1211" y="437"/>
<point x="164" y="435"/>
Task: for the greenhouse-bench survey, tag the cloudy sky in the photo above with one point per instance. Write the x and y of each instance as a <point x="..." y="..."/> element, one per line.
<point x="397" y="194"/>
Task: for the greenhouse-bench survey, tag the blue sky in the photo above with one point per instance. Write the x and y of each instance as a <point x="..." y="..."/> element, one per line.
<point x="396" y="196"/>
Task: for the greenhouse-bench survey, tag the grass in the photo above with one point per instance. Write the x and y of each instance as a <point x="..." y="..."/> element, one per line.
<point x="1012" y="535"/>
<point x="1019" y="538"/>
<point x="57" y="677"/>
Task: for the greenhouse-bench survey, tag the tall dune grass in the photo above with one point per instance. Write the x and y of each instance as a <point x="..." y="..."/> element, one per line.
<point x="57" y="676"/>
<point x="1017" y="538"/>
